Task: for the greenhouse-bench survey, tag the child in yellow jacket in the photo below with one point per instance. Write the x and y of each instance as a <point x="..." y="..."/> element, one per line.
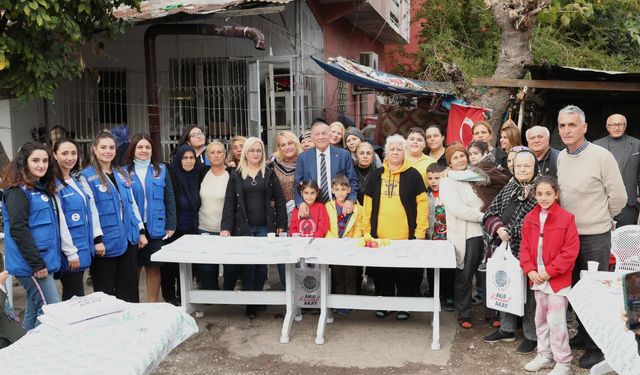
<point x="344" y="278"/>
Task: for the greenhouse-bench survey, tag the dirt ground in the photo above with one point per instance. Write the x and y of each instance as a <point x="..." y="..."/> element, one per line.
<point x="228" y="343"/>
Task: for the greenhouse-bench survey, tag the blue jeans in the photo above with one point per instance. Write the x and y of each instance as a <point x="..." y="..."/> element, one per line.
<point x="253" y="275"/>
<point x="207" y="274"/>
<point x="39" y="292"/>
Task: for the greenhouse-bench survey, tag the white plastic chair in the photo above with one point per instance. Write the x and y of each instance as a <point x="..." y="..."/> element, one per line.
<point x="625" y="247"/>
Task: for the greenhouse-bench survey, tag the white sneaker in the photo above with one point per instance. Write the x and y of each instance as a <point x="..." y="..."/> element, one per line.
<point x="561" y="369"/>
<point x="541" y="361"/>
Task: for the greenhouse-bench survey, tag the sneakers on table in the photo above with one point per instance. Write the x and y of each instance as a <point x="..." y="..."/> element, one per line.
<point x="540" y="362"/>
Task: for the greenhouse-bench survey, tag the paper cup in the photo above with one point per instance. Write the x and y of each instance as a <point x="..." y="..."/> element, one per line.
<point x="592" y="266"/>
<point x="271" y="235"/>
<point x="283" y="234"/>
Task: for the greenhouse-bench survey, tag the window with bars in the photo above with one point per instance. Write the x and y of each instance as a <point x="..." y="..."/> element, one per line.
<point x="210" y="93"/>
<point x="112" y="97"/>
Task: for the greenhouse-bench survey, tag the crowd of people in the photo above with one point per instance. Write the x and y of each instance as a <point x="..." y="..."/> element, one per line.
<point x="62" y="218"/>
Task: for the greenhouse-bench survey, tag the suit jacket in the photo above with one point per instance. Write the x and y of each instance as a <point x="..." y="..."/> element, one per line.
<point x="307" y="169"/>
<point x="630" y="167"/>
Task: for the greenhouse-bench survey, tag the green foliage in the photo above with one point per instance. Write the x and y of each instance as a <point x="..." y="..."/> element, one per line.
<point x="596" y="34"/>
<point x="600" y="34"/>
<point x="455" y="31"/>
<point x="41" y="40"/>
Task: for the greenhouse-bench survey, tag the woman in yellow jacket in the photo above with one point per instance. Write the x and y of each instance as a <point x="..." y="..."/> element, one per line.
<point x="344" y="278"/>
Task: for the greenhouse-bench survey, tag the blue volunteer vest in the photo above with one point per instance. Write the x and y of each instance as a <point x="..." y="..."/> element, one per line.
<point x="115" y="208"/>
<point x="43" y="224"/>
<point x="154" y="189"/>
<point x="76" y="211"/>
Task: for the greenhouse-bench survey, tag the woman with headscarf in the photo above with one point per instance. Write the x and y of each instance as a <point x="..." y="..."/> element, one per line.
<point x="503" y="222"/>
<point x="185" y="180"/>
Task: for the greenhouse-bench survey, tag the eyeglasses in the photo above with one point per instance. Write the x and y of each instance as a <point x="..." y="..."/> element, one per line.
<point x="617" y="125"/>
<point x="196" y="134"/>
<point x="254" y="151"/>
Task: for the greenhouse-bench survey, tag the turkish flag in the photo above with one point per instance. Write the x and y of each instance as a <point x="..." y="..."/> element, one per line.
<point x="461" y="119"/>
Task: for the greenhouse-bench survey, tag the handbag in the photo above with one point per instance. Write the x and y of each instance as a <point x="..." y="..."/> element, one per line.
<point x="506" y="283"/>
<point x="307" y="285"/>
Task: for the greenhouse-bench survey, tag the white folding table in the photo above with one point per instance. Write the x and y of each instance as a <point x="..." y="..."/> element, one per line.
<point x="400" y="253"/>
<point x="206" y="249"/>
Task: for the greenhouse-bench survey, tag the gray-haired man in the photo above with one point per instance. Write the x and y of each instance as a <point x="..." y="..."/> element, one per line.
<point x="538" y="142"/>
<point x="591" y="188"/>
<point x="626" y="151"/>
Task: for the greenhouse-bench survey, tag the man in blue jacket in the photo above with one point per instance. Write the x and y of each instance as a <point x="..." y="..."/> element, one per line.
<point x="321" y="163"/>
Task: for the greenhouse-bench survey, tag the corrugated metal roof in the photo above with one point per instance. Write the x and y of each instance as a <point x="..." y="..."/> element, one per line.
<point x="161" y="8"/>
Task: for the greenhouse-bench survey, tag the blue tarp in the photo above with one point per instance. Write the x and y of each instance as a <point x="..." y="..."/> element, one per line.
<point x="375" y="80"/>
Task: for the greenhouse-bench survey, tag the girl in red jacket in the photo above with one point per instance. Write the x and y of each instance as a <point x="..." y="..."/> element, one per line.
<point x="317" y="224"/>
<point x="547" y="255"/>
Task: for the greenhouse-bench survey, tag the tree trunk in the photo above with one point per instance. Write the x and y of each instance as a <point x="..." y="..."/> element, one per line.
<point x="516" y="22"/>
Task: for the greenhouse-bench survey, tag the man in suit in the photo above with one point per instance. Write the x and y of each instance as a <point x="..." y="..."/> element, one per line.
<point x="626" y="151"/>
<point x="538" y="142"/>
<point x="321" y="163"/>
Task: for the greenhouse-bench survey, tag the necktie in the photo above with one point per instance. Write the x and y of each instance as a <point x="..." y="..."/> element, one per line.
<point x="324" y="185"/>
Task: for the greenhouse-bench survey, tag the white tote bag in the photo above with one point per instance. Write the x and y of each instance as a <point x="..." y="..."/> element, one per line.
<point x="307" y="286"/>
<point x="506" y="283"/>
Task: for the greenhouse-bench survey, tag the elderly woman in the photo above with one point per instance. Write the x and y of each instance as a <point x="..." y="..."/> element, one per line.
<point x="481" y="131"/>
<point x="212" y="191"/>
<point x="463" y="213"/>
<point x="503" y="222"/>
<point x="354" y="137"/>
<point x="435" y="144"/>
<point x="396" y="207"/>
<point x="253" y="206"/>
<point x="416" y="143"/>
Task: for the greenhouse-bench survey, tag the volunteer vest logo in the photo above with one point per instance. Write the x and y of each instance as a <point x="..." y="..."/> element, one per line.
<point x="501" y="280"/>
<point x="310" y="283"/>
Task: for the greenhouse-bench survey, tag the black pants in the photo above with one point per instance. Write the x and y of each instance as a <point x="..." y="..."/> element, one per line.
<point x="252" y="275"/>
<point x="447" y="280"/>
<point x="72" y="284"/>
<point x="117" y="276"/>
<point x="628" y="216"/>
<point x="389" y="280"/>
<point x="344" y="279"/>
<point x="464" y="277"/>
<point x="592" y="247"/>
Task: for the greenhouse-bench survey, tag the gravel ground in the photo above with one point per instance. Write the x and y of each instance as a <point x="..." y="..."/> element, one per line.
<point x="228" y="343"/>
